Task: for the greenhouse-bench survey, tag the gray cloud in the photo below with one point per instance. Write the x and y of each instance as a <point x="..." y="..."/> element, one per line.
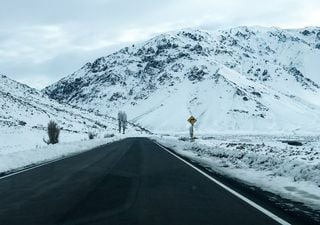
<point x="41" y="40"/>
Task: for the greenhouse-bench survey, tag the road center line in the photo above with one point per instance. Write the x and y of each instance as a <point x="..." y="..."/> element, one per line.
<point x="245" y="199"/>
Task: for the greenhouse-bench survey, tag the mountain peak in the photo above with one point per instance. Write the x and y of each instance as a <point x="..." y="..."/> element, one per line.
<point x="249" y="67"/>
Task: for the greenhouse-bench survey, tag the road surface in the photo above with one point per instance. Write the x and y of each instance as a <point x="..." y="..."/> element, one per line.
<point x="133" y="181"/>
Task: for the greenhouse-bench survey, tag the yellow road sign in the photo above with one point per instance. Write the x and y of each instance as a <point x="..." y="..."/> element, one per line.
<point x="192" y="120"/>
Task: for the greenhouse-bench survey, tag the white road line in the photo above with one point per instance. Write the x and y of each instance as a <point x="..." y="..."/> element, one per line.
<point x="248" y="201"/>
<point x="48" y="162"/>
<point x="33" y="167"/>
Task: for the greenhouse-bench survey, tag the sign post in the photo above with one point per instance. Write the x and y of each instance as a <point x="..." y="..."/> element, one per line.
<point x="192" y="121"/>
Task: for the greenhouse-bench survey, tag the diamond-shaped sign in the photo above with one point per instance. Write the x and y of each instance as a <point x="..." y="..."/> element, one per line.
<point x="192" y="120"/>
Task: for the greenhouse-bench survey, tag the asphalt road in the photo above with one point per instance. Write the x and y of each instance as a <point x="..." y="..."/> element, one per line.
<point x="129" y="182"/>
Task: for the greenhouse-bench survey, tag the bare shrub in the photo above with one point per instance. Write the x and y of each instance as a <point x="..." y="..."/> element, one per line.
<point x="53" y="133"/>
<point x="91" y="135"/>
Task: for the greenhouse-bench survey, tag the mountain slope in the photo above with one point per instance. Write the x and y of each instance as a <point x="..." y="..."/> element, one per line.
<point x="245" y="79"/>
<point x="22" y="106"/>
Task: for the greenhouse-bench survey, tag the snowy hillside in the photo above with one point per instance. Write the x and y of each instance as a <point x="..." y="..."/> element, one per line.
<point x="245" y="79"/>
<point x="25" y="113"/>
<point x="22" y="106"/>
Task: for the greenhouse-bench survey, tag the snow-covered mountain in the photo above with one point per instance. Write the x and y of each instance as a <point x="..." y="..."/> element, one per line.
<point x="22" y="106"/>
<point x="245" y="79"/>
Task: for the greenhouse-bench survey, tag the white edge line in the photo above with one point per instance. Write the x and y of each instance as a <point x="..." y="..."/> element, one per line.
<point x="34" y="167"/>
<point x="248" y="201"/>
<point x="49" y="162"/>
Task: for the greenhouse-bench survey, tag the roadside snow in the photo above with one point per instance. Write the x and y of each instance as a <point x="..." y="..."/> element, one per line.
<point x="29" y="150"/>
<point x="16" y="139"/>
<point x="22" y="146"/>
<point x="292" y="172"/>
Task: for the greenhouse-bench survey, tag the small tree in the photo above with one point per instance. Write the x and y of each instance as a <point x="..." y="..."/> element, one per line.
<point x="122" y="120"/>
<point x="53" y="133"/>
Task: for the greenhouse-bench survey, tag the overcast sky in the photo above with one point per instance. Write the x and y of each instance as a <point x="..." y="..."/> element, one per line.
<point x="42" y="41"/>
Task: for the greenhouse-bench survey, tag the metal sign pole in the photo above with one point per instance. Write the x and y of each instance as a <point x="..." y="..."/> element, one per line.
<point x="192" y="121"/>
<point x="192" y="133"/>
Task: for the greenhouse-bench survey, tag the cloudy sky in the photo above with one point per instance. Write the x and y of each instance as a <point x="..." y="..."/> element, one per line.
<point x="42" y="41"/>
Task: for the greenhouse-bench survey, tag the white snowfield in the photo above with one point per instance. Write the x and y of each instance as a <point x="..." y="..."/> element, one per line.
<point x="262" y="161"/>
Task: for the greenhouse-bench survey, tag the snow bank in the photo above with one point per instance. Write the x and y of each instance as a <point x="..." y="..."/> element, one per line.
<point x="22" y="146"/>
<point x="13" y="158"/>
<point x="266" y="162"/>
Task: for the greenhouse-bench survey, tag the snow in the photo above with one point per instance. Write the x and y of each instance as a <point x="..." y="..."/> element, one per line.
<point x="20" y="158"/>
<point x="242" y="80"/>
<point x="21" y="139"/>
<point x="22" y="148"/>
<point x="263" y="161"/>
<point x="249" y="88"/>
<point x="24" y="115"/>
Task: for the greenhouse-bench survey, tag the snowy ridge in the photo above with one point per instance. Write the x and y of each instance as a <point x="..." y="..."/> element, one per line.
<point x="244" y="79"/>
<point x="22" y="106"/>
